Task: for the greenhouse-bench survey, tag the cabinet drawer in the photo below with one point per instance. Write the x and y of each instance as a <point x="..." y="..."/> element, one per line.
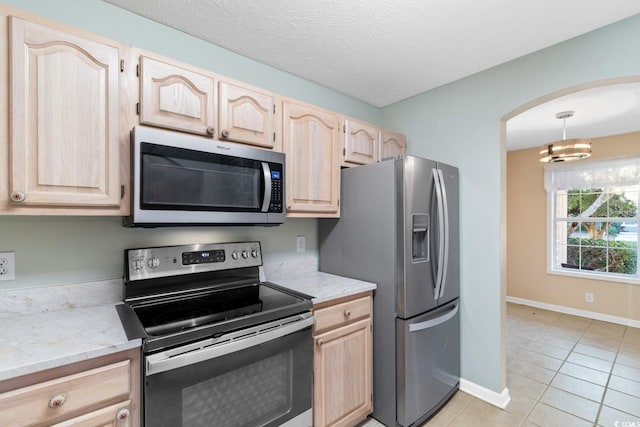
<point x="341" y="314"/>
<point x="65" y="396"/>
<point x="115" y="415"/>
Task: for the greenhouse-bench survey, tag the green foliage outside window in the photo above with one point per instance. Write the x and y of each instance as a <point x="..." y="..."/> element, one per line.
<point x="596" y="254"/>
<point x="597" y="203"/>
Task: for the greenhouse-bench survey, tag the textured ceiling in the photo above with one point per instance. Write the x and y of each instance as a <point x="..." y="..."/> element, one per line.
<point x="384" y="51"/>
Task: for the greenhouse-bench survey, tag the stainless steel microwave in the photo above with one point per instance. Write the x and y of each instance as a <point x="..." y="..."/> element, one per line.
<point x="181" y="180"/>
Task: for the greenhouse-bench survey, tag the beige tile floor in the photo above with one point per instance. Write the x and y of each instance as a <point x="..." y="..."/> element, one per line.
<point x="562" y="371"/>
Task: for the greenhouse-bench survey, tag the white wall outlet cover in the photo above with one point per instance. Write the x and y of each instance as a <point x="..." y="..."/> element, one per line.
<point x="301" y="244"/>
<point x="588" y="297"/>
<point x="7" y="266"/>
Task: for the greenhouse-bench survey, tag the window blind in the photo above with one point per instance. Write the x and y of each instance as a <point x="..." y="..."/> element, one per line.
<point x="592" y="174"/>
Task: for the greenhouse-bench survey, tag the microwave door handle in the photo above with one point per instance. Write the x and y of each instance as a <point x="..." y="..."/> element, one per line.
<point x="266" y="171"/>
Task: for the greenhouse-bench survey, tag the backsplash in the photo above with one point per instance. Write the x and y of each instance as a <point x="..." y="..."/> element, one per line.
<point x="20" y="302"/>
<point x="286" y="269"/>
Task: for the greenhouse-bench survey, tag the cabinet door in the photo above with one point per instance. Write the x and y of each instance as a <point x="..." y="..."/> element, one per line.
<point x="360" y="143"/>
<point x="310" y="141"/>
<point x="64" y="109"/>
<point x="173" y="97"/>
<point x="246" y="115"/>
<point x="342" y="392"/>
<point x="112" y="416"/>
<point x="392" y="143"/>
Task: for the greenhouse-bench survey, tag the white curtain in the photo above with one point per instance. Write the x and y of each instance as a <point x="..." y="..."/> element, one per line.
<point x="592" y="174"/>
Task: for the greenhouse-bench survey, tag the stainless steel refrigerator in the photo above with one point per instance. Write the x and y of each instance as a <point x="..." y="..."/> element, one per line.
<point x="398" y="228"/>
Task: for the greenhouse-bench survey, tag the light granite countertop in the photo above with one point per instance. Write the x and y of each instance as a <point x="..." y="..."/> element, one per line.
<point x="302" y="275"/>
<point x="41" y="329"/>
<point x="37" y="342"/>
<point x="325" y="287"/>
<point x="53" y="326"/>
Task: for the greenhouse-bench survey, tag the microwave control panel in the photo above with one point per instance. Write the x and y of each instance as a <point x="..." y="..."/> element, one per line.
<point x="276" y="203"/>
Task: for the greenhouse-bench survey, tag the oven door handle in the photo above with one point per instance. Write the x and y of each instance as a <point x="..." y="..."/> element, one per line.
<point x="175" y="358"/>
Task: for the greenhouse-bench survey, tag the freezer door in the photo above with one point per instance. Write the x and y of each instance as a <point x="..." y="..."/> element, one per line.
<point x="416" y="282"/>
<point x="428" y="363"/>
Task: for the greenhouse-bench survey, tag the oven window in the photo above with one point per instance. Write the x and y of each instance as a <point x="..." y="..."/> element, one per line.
<point x="263" y="385"/>
<point x="252" y="395"/>
<point x="174" y="178"/>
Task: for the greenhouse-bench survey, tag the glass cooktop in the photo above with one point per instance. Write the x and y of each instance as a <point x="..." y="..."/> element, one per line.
<point x="187" y="312"/>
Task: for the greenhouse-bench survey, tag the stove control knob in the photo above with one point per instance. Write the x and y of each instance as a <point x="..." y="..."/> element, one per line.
<point x="153" y="262"/>
<point x="234" y="254"/>
<point x="254" y="253"/>
<point x="136" y="264"/>
<point x="245" y="254"/>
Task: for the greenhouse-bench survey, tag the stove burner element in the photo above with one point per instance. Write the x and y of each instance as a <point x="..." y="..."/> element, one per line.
<point x="180" y="313"/>
<point x="202" y="309"/>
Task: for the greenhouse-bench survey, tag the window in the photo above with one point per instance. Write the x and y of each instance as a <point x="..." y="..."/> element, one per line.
<point x="594" y="219"/>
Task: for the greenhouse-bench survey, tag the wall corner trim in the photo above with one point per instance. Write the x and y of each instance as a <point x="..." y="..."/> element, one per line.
<point x="576" y="312"/>
<point x="501" y="400"/>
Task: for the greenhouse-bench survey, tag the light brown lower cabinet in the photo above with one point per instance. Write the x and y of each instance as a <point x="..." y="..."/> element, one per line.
<point x="99" y="392"/>
<point x="342" y="385"/>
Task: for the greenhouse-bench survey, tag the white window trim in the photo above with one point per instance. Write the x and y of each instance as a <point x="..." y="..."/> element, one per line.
<point x="580" y="274"/>
<point x="609" y="173"/>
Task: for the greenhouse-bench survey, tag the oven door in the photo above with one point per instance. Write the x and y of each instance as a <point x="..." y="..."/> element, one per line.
<point x="184" y="179"/>
<point x="232" y="381"/>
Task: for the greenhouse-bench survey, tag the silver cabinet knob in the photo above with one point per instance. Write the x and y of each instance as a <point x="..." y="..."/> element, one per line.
<point x="57" y="400"/>
<point x="211" y="130"/>
<point x="18" y="196"/>
<point x="224" y="133"/>
<point x="319" y="342"/>
<point x="122" y="414"/>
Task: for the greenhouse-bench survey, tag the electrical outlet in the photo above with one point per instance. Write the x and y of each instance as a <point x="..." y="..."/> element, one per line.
<point x="301" y="244"/>
<point x="7" y="266"/>
<point x="588" y="297"/>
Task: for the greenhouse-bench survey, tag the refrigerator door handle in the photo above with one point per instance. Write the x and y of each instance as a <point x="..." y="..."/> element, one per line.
<point x="445" y="215"/>
<point x="434" y="322"/>
<point x="440" y="265"/>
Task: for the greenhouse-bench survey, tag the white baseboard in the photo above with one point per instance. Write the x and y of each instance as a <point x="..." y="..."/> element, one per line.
<point x="501" y="400"/>
<point x="576" y="312"/>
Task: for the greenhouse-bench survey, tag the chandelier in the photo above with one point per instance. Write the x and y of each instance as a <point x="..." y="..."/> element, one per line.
<point x="567" y="149"/>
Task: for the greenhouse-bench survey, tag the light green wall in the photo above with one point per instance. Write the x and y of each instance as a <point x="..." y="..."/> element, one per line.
<point x="57" y="250"/>
<point x="460" y="124"/>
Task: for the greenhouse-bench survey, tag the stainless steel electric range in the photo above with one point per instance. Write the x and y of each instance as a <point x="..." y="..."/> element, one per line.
<point x="220" y="348"/>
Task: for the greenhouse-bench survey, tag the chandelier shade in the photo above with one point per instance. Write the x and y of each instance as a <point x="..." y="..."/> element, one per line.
<point x="565" y="151"/>
<point x="568" y="149"/>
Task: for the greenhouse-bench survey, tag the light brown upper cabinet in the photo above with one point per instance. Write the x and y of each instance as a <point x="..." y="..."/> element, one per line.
<point x="310" y="142"/>
<point x="391" y="143"/>
<point x="174" y="96"/>
<point x="247" y="115"/>
<point x="361" y="142"/>
<point x="65" y="146"/>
